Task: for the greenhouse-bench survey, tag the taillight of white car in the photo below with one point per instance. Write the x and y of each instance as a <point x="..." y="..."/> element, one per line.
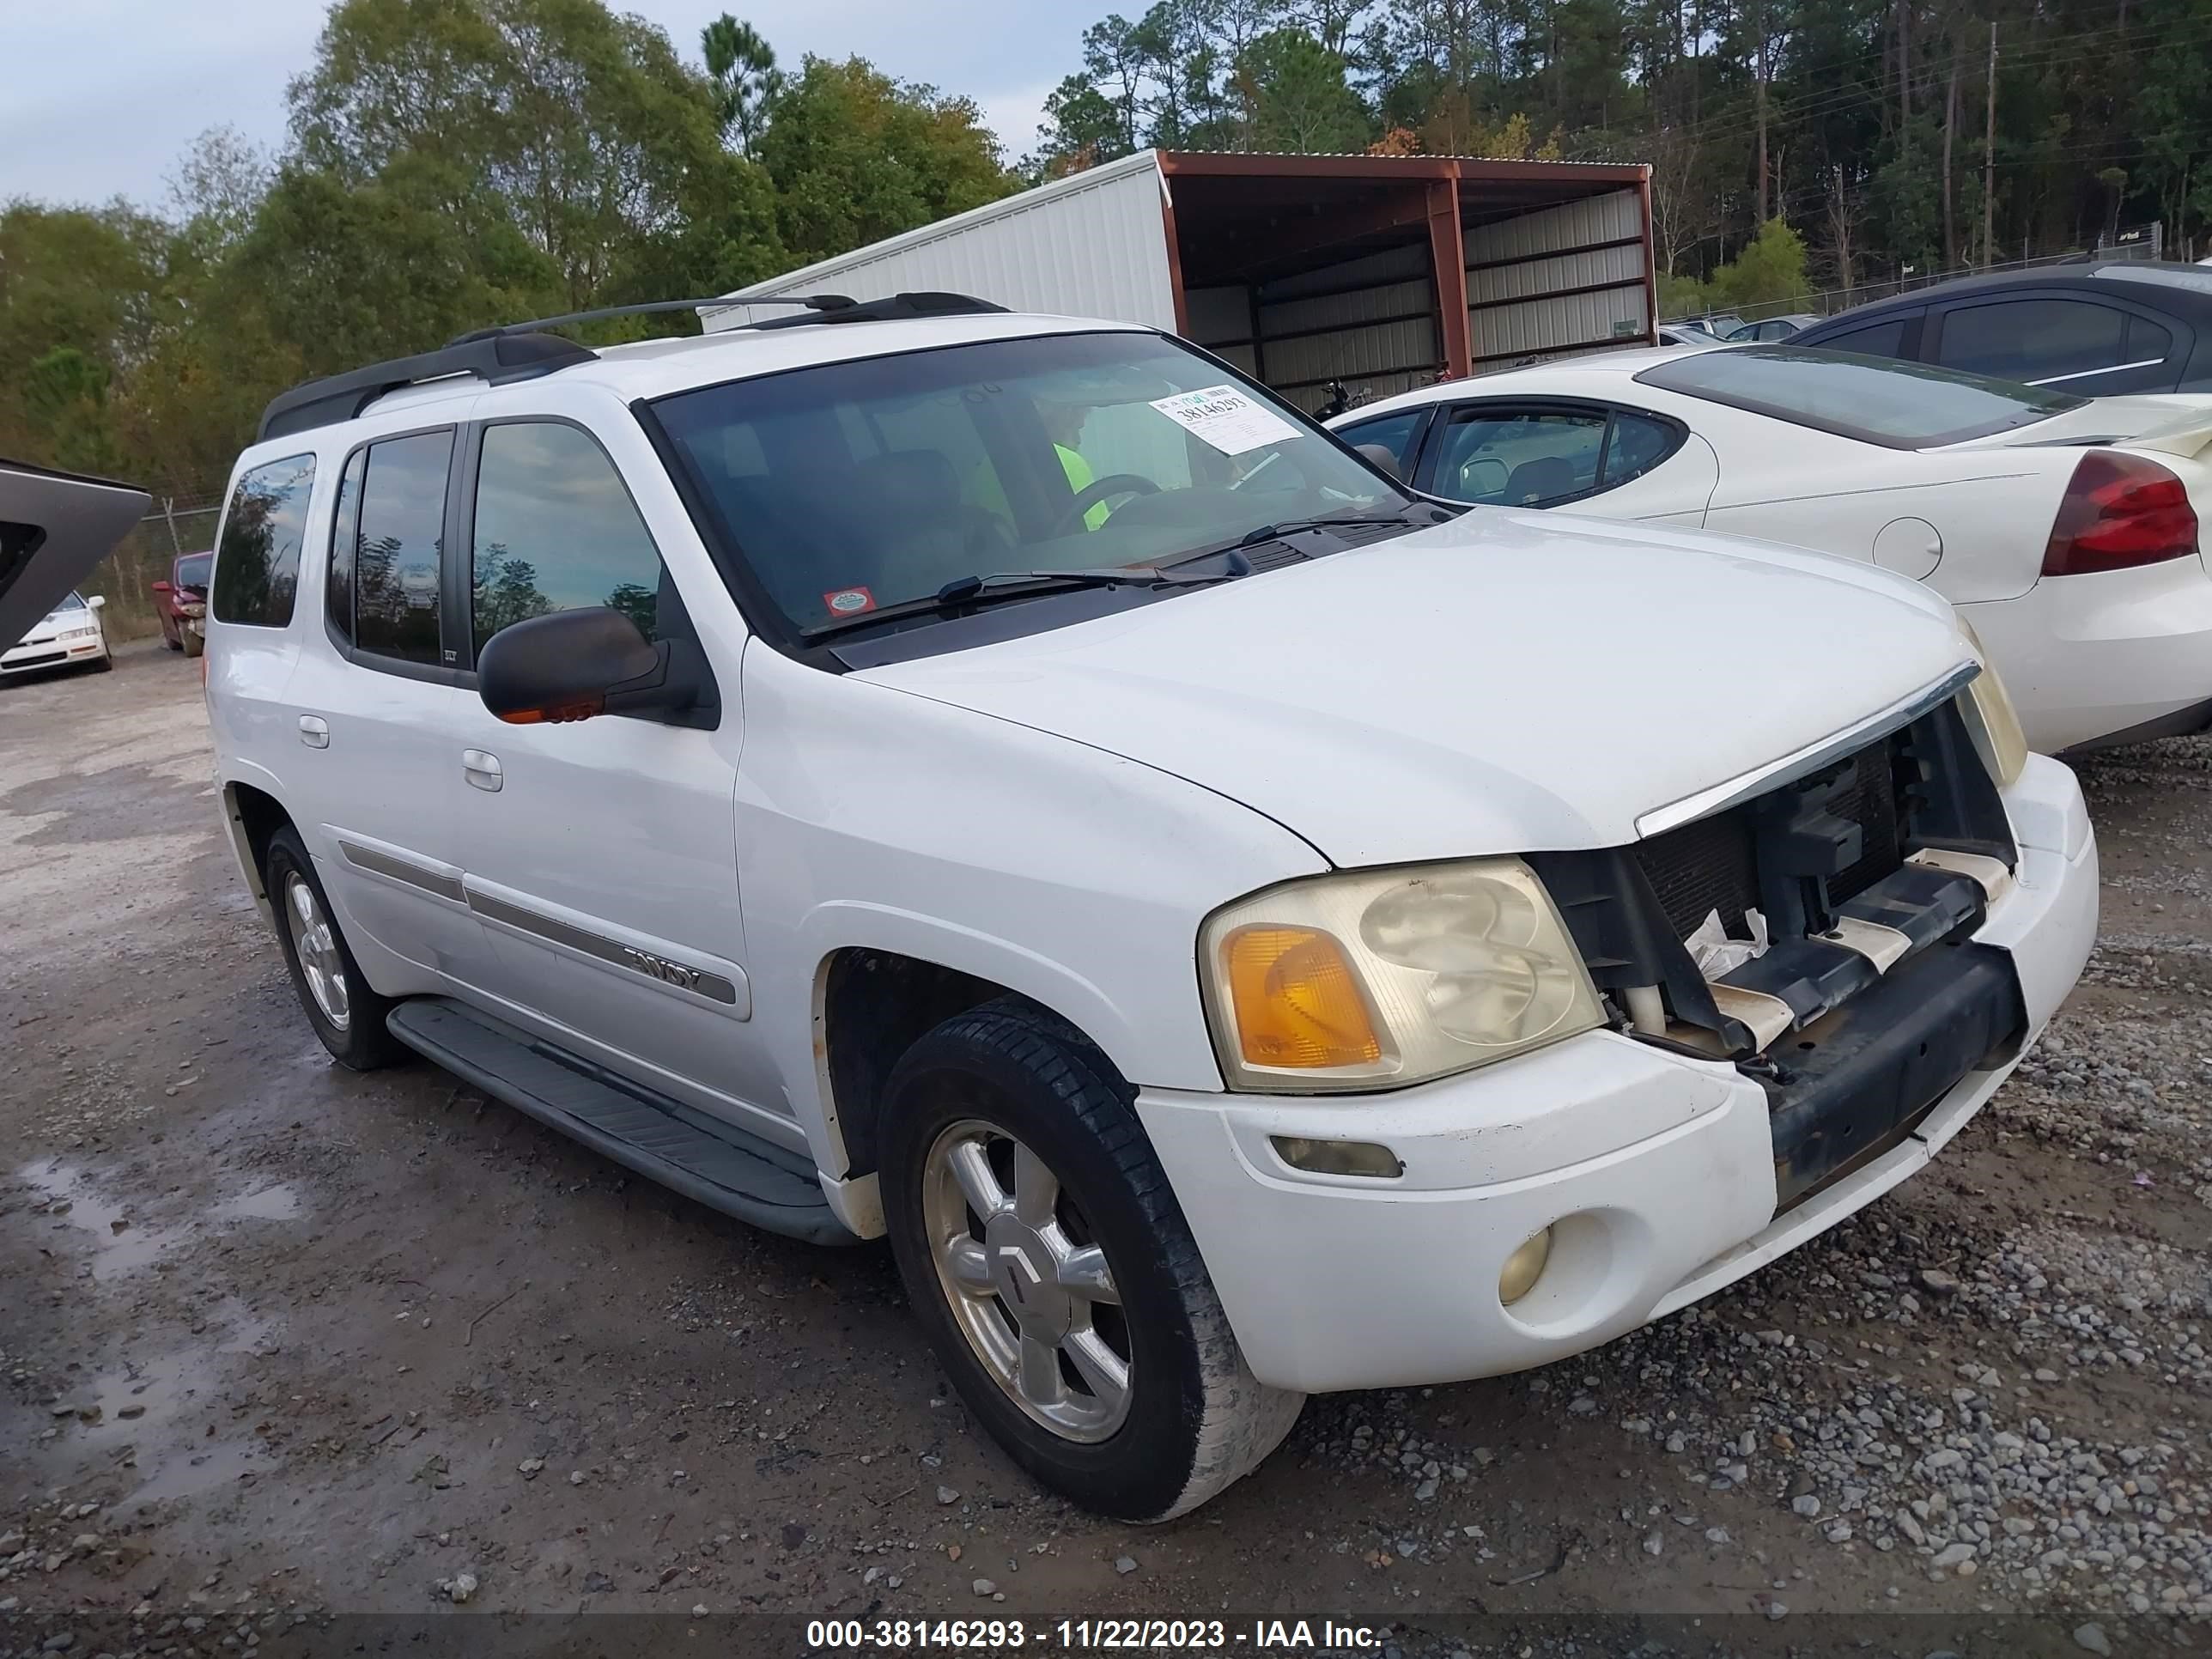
<point x="2120" y="511"/>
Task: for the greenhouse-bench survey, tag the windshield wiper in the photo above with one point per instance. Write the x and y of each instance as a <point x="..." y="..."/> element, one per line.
<point x="1276" y="532"/>
<point x="989" y="588"/>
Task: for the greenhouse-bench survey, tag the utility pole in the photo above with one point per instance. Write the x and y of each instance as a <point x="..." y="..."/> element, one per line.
<point x="1763" y="70"/>
<point x="1990" y="154"/>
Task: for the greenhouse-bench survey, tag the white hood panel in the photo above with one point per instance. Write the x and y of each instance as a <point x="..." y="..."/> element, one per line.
<point x="1509" y="682"/>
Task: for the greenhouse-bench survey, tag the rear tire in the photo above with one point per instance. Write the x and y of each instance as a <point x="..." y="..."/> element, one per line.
<point x="347" y="1015"/>
<point x="1080" y="1326"/>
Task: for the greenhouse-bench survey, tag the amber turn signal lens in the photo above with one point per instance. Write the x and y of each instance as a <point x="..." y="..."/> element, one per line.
<point x="1296" y="1001"/>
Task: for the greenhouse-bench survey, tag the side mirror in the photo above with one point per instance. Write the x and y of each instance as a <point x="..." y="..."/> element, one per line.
<point x="1382" y="456"/>
<point x="564" y="667"/>
<point x="95" y="602"/>
<point x="162" y="587"/>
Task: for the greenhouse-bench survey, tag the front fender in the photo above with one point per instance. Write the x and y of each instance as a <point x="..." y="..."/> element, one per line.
<point x="870" y="817"/>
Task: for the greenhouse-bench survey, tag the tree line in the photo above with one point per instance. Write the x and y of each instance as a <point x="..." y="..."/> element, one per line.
<point x="450" y="164"/>
<point x="1888" y="135"/>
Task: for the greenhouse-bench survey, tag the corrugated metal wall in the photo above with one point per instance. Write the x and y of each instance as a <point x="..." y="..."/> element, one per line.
<point x="1369" y="322"/>
<point x="1094" y="245"/>
<point x="1558" y="280"/>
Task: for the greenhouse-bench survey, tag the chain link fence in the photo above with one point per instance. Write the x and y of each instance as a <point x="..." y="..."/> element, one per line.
<point x="2135" y="242"/>
<point x="185" y="523"/>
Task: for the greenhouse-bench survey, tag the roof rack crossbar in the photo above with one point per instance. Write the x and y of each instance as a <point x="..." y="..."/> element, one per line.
<point x="812" y="301"/>
<point x="496" y="360"/>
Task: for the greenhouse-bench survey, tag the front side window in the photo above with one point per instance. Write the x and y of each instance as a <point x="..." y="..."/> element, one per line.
<point x="256" y="566"/>
<point x="398" y="547"/>
<point x="1883" y="339"/>
<point x="1899" y="405"/>
<point x="1396" y="433"/>
<point x="555" y="529"/>
<point x="1520" y="458"/>
<point x="2033" y="340"/>
<point x="853" y="487"/>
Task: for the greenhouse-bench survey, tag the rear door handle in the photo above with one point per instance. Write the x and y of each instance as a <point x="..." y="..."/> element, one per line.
<point x="314" y="731"/>
<point x="481" y="768"/>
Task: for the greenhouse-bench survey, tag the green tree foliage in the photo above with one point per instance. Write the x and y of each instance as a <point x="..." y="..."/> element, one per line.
<point x="856" y="156"/>
<point x="742" y="66"/>
<point x="1297" y="96"/>
<point x="578" y="129"/>
<point x="1769" y="270"/>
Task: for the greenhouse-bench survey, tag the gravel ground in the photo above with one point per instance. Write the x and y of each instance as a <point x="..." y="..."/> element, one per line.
<point x="279" y="1343"/>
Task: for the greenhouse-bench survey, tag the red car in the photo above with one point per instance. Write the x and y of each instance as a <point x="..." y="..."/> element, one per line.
<point x="182" y="603"/>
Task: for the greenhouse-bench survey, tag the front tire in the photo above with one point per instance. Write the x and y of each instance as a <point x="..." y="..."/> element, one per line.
<point x="1054" y="1272"/>
<point x="193" y="643"/>
<point x="346" y="1013"/>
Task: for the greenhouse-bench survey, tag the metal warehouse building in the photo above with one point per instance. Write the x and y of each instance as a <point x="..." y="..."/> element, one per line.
<point x="1378" y="270"/>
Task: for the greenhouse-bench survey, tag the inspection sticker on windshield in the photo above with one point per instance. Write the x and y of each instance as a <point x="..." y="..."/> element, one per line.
<point x="1226" y="418"/>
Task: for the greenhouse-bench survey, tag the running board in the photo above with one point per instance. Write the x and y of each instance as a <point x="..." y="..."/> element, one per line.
<point x="712" y="1162"/>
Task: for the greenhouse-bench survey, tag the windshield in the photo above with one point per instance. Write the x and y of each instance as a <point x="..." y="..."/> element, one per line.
<point x="1877" y="400"/>
<point x="72" y="601"/>
<point x="192" y="570"/>
<point x="853" y="487"/>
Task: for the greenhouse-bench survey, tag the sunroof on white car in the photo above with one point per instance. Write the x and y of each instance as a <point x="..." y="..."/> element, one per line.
<point x="1877" y="400"/>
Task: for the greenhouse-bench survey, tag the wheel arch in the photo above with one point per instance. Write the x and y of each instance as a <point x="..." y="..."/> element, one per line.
<point x="252" y="816"/>
<point x="873" y="1002"/>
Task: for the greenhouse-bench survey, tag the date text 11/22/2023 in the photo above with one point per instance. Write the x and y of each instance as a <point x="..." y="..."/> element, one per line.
<point x="1264" y="1635"/>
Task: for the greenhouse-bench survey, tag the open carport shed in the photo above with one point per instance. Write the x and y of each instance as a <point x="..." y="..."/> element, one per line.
<point x="1376" y="270"/>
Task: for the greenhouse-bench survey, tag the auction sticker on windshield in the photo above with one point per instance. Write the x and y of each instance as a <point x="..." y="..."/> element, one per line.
<point x="1225" y="418"/>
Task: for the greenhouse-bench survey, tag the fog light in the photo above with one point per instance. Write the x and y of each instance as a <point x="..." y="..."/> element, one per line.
<point x="1524" y="1267"/>
<point x="1342" y="1157"/>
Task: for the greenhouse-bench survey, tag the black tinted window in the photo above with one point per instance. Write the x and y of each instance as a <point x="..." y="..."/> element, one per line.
<point x="257" y="564"/>
<point x="346" y="532"/>
<point x="2032" y="339"/>
<point x="192" y="570"/>
<point x="555" y="529"/>
<point x="1901" y="405"/>
<point x="396" y="555"/>
<point x="2146" y="342"/>
<point x="1875" y="340"/>
<point x="1395" y="432"/>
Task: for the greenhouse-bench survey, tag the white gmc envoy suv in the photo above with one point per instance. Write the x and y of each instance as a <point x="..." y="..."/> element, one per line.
<point x="1015" y="787"/>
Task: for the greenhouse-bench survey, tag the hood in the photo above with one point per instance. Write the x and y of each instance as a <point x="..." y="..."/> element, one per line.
<point x="1506" y="683"/>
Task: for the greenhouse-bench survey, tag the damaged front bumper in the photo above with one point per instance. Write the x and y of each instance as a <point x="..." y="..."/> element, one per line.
<point x="1664" y="1176"/>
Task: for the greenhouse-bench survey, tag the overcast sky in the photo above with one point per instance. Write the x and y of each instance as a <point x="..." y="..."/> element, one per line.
<point x="99" y="96"/>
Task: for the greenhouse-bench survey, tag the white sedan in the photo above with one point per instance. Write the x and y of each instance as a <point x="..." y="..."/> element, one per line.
<point x="2063" y="528"/>
<point x="69" y="635"/>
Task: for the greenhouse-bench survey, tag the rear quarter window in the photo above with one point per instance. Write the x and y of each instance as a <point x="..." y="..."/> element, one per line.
<point x="257" y="564"/>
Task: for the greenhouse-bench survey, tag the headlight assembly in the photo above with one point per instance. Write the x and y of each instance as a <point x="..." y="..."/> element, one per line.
<point x="1992" y="720"/>
<point x="1378" y="979"/>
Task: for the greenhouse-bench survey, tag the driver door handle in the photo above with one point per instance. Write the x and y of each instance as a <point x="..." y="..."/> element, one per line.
<point x="481" y="768"/>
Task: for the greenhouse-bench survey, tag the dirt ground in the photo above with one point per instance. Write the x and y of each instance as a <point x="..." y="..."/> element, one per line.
<point x="279" y="1342"/>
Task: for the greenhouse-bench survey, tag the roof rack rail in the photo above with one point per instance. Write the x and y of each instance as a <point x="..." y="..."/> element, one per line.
<point x="897" y="307"/>
<point x="522" y="351"/>
<point x="812" y="301"/>
<point x="498" y="359"/>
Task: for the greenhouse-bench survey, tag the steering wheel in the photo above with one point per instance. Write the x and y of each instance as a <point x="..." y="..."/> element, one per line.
<point x="1095" y="492"/>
